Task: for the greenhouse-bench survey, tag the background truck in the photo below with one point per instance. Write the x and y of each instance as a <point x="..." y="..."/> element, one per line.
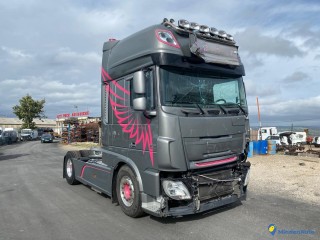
<point x="265" y="132"/>
<point x="293" y="138"/>
<point x="175" y="126"/>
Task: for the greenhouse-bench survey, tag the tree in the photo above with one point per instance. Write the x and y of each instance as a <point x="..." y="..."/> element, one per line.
<point x="28" y="110"/>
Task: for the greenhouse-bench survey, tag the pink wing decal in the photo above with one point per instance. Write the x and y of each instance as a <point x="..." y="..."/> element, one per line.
<point x="126" y="117"/>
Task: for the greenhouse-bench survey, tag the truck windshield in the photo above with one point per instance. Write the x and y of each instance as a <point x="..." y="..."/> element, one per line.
<point x="26" y="131"/>
<point x="183" y="88"/>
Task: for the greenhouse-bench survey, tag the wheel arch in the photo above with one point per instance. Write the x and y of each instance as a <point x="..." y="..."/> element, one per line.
<point x="134" y="169"/>
<point x="120" y="161"/>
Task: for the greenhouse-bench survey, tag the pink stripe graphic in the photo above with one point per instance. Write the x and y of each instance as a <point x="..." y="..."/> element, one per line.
<point x="217" y="162"/>
<point x="86" y="166"/>
<point x="135" y="128"/>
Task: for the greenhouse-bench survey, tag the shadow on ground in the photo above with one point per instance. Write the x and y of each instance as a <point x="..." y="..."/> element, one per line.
<point x="11" y="156"/>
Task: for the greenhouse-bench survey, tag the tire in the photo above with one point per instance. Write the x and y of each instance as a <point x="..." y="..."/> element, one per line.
<point x="69" y="168"/>
<point x="128" y="192"/>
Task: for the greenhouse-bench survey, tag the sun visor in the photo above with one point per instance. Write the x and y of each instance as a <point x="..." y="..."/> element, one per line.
<point x="214" y="52"/>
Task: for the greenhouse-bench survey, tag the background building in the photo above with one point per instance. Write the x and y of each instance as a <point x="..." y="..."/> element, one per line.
<point x="16" y="123"/>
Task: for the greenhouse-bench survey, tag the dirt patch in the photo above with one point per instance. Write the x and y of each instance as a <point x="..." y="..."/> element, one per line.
<point x="291" y="176"/>
<point x="79" y="146"/>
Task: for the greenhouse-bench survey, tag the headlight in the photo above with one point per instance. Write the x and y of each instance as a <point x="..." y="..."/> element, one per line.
<point x="176" y="190"/>
<point x="246" y="181"/>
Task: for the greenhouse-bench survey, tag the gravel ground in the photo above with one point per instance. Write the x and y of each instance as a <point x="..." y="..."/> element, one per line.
<point x="294" y="177"/>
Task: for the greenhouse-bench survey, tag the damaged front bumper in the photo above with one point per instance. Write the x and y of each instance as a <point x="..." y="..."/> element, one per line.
<point x="209" y="191"/>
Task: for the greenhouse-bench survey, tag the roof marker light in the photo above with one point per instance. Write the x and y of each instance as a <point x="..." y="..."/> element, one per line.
<point x="183" y="23"/>
<point x="204" y="29"/>
<point x="166" y="37"/>
<point x="194" y="26"/>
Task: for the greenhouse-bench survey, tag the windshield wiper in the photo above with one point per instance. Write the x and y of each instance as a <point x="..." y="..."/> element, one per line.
<point x="200" y="108"/>
<point x="237" y="105"/>
<point x="219" y="106"/>
<point x="193" y="111"/>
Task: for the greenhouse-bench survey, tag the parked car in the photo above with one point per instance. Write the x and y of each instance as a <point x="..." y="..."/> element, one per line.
<point x="275" y="138"/>
<point x="8" y="137"/>
<point x="47" y="137"/>
<point x="316" y="141"/>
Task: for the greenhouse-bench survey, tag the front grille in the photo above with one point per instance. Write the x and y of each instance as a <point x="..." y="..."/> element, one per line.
<point x="210" y="189"/>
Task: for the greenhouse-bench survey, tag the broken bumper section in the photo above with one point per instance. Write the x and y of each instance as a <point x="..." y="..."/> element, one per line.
<point x="206" y="191"/>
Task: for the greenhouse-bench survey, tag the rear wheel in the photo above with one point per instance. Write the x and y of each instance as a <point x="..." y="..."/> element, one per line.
<point x="128" y="192"/>
<point x="69" y="168"/>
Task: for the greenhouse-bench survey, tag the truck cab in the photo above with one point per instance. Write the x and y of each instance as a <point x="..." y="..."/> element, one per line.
<point x="175" y="126"/>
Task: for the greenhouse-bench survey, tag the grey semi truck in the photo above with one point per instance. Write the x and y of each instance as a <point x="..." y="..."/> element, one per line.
<point x="174" y="122"/>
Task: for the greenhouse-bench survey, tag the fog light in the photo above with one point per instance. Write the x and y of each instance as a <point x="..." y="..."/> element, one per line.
<point x="176" y="190"/>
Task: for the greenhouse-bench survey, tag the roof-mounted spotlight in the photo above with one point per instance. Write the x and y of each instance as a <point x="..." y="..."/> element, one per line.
<point x="230" y="37"/>
<point x="222" y="34"/>
<point x="183" y="24"/>
<point x="172" y="20"/>
<point x="204" y="29"/>
<point x="214" y="31"/>
<point x="194" y="26"/>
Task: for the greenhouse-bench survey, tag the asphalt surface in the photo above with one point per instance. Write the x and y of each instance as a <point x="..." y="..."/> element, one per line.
<point x="37" y="203"/>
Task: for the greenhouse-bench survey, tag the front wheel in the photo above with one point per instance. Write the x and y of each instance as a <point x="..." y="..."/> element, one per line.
<point x="128" y="193"/>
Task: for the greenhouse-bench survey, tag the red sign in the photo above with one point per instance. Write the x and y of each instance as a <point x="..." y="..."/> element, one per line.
<point x="75" y="114"/>
<point x="80" y="114"/>
<point x="64" y="115"/>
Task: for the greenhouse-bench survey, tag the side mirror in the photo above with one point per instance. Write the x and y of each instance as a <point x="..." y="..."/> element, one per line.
<point x="139" y="103"/>
<point x="139" y="83"/>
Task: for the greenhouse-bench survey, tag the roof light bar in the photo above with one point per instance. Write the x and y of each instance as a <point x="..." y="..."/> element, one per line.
<point x="185" y="26"/>
<point x="183" y="23"/>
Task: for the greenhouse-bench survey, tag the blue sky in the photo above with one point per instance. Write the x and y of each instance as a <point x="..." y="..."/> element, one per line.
<point x="52" y="50"/>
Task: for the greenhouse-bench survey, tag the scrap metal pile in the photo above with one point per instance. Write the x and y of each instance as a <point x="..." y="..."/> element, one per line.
<point x="290" y="149"/>
<point x="81" y="133"/>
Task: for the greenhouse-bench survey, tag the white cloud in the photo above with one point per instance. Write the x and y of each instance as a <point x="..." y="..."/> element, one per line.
<point x="67" y="56"/>
<point x="53" y="49"/>
<point x="296" y="77"/>
<point x="254" y="41"/>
